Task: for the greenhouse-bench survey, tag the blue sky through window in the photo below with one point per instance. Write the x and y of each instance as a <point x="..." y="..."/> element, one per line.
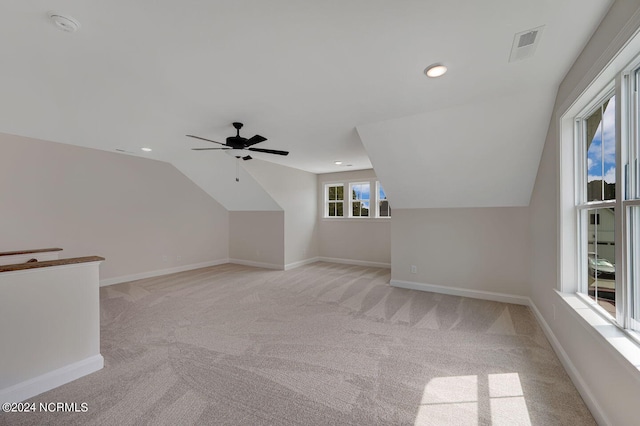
<point x="601" y="155"/>
<point x="362" y="192"/>
<point x="381" y="193"/>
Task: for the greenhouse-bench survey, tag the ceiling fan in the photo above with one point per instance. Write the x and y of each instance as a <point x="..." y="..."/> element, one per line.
<point x="239" y="145"/>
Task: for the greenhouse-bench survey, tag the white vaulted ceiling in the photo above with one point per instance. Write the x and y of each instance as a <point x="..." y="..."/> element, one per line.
<point x="325" y="80"/>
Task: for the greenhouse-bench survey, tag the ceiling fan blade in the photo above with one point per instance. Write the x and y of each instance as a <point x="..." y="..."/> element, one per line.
<point x="206" y="149"/>
<point x="254" y="140"/>
<point x="269" y="151"/>
<point x="208" y="140"/>
<point x="248" y="157"/>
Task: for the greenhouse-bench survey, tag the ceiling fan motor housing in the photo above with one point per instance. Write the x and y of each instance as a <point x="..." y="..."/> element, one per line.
<point x="236" y="142"/>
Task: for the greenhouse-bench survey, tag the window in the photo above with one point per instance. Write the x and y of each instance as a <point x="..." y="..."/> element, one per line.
<point x="355" y="200"/>
<point x="360" y="195"/>
<point x="334" y="194"/>
<point x="605" y="189"/>
<point x="383" y="204"/>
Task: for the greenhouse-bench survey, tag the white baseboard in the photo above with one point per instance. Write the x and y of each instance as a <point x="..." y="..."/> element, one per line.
<point x="354" y="262"/>
<point x="294" y="265"/>
<point x="158" y="272"/>
<point x="573" y="372"/>
<point x="256" y="264"/>
<point x="457" y="291"/>
<point x="35" y="386"/>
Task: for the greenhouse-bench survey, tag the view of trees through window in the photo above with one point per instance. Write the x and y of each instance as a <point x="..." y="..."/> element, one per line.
<point x="356" y="200"/>
<point x="360" y="196"/>
<point x="335" y="198"/>
<point x="383" y="204"/>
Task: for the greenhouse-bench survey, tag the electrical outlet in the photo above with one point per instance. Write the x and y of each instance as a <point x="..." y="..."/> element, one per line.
<point x="414" y="269"/>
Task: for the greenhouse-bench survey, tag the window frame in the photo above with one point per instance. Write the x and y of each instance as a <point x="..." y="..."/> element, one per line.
<point x="352" y="200"/>
<point x="379" y="200"/>
<point x="347" y="185"/>
<point x="327" y="201"/>
<point x="574" y="210"/>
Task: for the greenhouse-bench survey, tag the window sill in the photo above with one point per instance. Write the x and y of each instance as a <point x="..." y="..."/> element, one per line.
<point x="357" y="219"/>
<point x="621" y="344"/>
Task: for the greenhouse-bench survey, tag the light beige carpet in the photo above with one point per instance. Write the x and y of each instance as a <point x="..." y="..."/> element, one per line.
<point x="324" y="344"/>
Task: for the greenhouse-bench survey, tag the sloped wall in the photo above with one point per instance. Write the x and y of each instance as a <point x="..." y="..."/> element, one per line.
<point x="141" y="215"/>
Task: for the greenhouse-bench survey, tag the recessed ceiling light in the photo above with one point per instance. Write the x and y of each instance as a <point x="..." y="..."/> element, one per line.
<point x="337" y="162"/>
<point x="145" y="149"/>
<point x="435" y="70"/>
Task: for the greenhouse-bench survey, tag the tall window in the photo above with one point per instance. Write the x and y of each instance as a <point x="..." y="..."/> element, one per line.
<point x="360" y="196"/>
<point x="334" y="194"/>
<point x="383" y="204"/>
<point x="607" y="200"/>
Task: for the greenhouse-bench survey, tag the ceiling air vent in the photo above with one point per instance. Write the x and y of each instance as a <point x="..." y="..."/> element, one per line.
<point x="525" y="43"/>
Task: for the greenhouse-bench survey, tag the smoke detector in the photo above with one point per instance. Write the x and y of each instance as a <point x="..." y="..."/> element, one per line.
<point x="64" y="22"/>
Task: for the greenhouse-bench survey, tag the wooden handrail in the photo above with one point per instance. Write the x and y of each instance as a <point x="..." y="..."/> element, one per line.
<point x="11" y="253"/>
<point x="48" y="263"/>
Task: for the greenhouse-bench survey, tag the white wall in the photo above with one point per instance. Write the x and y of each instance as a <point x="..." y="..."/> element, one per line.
<point x="132" y="211"/>
<point x="295" y="191"/>
<point x="257" y="238"/>
<point x="614" y="386"/>
<point x="50" y="328"/>
<point x="363" y="240"/>
<point x="484" y="249"/>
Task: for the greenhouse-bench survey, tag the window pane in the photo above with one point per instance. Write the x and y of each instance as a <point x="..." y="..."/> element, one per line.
<point x="355" y="208"/>
<point x="385" y="211"/>
<point x="601" y="152"/>
<point x="381" y="193"/>
<point x="360" y="191"/>
<point x="332" y="209"/>
<point x="356" y="192"/>
<point x="340" y="193"/>
<point x="601" y="261"/>
<point x="339" y="211"/>
<point x="383" y="203"/>
<point x="364" y="209"/>
<point x="634" y="263"/>
<point x="332" y="192"/>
